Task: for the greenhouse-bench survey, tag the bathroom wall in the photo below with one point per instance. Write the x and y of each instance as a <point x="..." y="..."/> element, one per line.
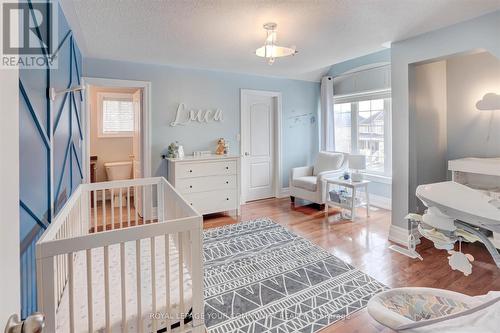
<point x="207" y="89"/>
<point x="472" y="133"/>
<point x="106" y="149"/>
<point x="428" y="126"/>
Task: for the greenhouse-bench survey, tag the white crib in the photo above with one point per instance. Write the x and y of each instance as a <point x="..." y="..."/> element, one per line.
<point x="122" y="256"/>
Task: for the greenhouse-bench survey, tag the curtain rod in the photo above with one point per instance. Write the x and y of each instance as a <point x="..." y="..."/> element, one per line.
<point x="362" y="70"/>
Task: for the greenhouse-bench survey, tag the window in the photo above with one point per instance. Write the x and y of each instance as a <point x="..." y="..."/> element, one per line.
<point x="117" y="115"/>
<point x="362" y="126"/>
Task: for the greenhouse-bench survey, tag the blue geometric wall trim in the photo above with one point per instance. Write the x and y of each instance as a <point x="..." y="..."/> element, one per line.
<point x="38" y="141"/>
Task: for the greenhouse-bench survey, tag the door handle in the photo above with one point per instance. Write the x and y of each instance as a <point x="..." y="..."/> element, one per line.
<point x="33" y="324"/>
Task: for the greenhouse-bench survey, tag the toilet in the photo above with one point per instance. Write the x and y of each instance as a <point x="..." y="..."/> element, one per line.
<point x="118" y="171"/>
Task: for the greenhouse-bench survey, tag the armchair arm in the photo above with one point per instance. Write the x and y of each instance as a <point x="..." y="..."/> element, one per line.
<point x="330" y="174"/>
<point x="301" y="172"/>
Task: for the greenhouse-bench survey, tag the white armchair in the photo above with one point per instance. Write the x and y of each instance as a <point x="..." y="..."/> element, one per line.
<point x="308" y="182"/>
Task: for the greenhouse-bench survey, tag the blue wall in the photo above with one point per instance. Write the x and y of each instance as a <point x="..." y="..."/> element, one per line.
<point x="202" y="89"/>
<point x="36" y="145"/>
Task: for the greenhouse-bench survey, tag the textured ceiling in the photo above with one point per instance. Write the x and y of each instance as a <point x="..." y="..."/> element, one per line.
<point x="223" y="34"/>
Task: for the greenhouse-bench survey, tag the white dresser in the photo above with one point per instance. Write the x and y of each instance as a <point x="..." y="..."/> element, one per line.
<point x="209" y="183"/>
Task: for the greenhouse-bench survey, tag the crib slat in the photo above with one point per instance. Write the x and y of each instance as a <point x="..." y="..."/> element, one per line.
<point x="144" y="217"/>
<point x="139" y="284"/>
<point x="153" y="280"/>
<point x="167" y="280"/>
<point x="151" y="203"/>
<point x="120" y="202"/>
<point x="160" y="200"/>
<point x="181" y="278"/>
<point x="95" y="212"/>
<point x="90" y="311"/>
<point x="128" y="206"/>
<point x="106" y="289"/>
<point x="136" y="204"/>
<point x="104" y="219"/>
<point x="124" y="291"/>
<point x="112" y="208"/>
<point x="71" y="295"/>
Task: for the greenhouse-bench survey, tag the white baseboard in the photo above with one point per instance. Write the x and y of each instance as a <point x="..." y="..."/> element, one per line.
<point x="285" y="192"/>
<point x="380" y="201"/>
<point x="399" y="235"/>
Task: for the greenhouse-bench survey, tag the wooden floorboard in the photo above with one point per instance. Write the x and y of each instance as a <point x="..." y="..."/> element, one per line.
<point x="363" y="244"/>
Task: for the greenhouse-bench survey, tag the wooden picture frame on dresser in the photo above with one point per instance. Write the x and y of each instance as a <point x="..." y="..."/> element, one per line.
<point x="211" y="184"/>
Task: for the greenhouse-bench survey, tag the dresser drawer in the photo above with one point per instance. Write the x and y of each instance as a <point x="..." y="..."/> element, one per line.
<point x="185" y="170"/>
<point x="203" y="184"/>
<point x="213" y="201"/>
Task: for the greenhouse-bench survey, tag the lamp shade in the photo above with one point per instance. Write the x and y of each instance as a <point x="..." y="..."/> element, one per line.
<point x="357" y="162"/>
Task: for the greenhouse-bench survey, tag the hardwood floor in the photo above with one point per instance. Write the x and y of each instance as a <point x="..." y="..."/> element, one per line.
<point x="363" y="243"/>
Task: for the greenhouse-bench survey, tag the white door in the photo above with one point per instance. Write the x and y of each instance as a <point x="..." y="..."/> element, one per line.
<point x="258" y="118"/>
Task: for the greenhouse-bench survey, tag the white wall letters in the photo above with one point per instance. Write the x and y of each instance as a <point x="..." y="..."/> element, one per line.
<point x="184" y="116"/>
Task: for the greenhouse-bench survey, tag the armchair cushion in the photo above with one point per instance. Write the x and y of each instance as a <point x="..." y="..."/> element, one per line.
<point x="328" y="162"/>
<point x="308" y="183"/>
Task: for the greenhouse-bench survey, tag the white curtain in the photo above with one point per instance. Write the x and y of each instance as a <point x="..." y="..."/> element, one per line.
<point x="327" y="120"/>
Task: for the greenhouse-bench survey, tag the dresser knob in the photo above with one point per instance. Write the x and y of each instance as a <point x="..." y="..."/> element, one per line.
<point x="227" y="168"/>
<point x="191" y="203"/>
<point x="190" y="170"/>
<point x="227" y="182"/>
<point x="190" y="186"/>
<point x="227" y="199"/>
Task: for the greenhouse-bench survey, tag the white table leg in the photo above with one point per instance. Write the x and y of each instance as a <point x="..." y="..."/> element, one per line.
<point x="353" y="204"/>
<point x="326" y="187"/>
<point x="367" y="201"/>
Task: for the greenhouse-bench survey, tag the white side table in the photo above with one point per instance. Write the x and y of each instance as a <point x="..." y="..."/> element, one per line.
<point x="354" y="186"/>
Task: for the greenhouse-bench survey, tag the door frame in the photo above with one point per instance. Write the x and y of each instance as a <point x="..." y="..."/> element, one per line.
<point x="145" y="119"/>
<point x="277" y="183"/>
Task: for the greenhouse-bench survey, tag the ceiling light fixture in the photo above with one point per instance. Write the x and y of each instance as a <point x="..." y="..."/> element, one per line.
<point x="270" y="50"/>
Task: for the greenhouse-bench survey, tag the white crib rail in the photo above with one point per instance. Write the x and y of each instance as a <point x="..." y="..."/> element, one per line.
<point x="153" y="209"/>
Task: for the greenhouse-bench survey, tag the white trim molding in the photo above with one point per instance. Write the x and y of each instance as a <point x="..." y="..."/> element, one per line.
<point x="146" y="119"/>
<point x="277" y="139"/>
<point x="380" y="201"/>
<point x="400" y="235"/>
<point x="285" y="192"/>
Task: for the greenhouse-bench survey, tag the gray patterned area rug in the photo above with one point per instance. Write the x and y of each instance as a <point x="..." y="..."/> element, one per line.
<point x="261" y="277"/>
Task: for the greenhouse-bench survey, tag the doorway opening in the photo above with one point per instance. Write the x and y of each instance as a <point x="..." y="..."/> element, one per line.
<point x="117" y="143"/>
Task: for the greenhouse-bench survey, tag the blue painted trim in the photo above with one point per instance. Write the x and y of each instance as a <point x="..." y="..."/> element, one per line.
<point x="37" y="29"/>
<point x="54" y="54"/>
<point x="34" y="116"/>
<point x="77" y="117"/>
<point x="77" y="161"/>
<point x="30" y="212"/>
<point x="56" y="198"/>
<point x="76" y="63"/>
<point x="71" y="140"/>
<point x="59" y="113"/>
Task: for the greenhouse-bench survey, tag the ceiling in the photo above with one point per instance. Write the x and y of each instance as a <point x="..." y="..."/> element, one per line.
<point x="223" y="34"/>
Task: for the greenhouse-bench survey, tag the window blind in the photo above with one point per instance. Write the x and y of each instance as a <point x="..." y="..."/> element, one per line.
<point x="117" y="116"/>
